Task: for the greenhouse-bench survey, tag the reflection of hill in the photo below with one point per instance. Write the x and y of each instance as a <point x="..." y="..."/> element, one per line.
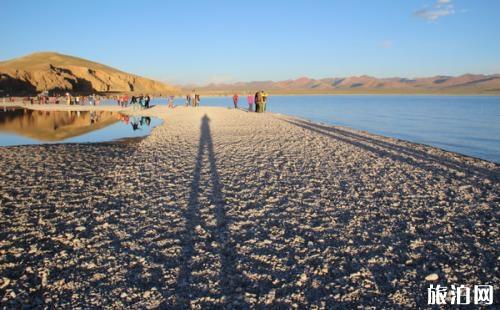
<point x="54" y="126"/>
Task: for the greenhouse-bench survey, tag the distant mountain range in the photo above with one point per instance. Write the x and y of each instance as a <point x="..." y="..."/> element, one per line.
<point x="464" y="84"/>
<point x="56" y="72"/>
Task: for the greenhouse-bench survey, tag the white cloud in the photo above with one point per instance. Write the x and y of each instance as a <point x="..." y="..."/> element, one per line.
<point x="439" y="9"/>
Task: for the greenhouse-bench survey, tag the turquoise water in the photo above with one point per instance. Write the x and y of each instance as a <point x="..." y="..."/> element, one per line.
<point x="469" y="125"/>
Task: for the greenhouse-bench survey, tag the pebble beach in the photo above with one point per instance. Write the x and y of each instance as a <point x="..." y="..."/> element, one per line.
<point x="222" y="208"/>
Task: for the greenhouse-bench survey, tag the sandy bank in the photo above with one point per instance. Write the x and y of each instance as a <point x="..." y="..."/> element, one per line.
<point x="222" y="207"/>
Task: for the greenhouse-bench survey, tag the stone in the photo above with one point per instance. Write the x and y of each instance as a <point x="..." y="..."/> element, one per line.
<point x="432" y="277"/>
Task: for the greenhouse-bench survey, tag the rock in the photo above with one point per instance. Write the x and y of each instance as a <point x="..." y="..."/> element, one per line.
<point x="5" y="282"/>
<point x="43" y="278"/>
<point x="432" y="277"/>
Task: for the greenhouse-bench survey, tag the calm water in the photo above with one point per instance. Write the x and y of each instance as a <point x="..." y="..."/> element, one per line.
<point x="468" y="125"/>
<point x="20" y="127"/>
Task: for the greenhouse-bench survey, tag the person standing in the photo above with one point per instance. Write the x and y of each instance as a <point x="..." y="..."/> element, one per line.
<point x="197" y="100"/>
<point x="259" y="102"/>
<point x="256" y="100"/>
<point x="235" y="101"/>
<point x="193" y="98"/>
<point x="250" y="100"/>
<point x="146" y="101"/>
<point x="188" y="100"/>
<point x="264" y="101"/>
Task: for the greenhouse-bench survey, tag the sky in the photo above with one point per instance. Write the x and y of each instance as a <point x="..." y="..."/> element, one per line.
<point x="216" y="41"/>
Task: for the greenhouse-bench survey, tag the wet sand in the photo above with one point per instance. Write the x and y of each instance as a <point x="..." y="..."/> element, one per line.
<point x="225" y="208"/>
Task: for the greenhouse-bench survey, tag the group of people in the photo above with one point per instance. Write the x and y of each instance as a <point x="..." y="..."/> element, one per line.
<point x="193" y="99"/>
<point x="82" y="100"/>
<point x="259" y="99"/>
<point x="68" y="98"/>
<point x="142" y="101"/>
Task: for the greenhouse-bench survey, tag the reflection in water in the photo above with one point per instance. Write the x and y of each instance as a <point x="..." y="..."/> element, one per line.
<point x="56" y="126"/>
<point x="138" y="123"/>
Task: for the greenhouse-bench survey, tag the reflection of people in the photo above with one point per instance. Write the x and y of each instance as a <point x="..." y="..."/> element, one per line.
<point x="93" y="117"/>
<point x="134" y="123"/>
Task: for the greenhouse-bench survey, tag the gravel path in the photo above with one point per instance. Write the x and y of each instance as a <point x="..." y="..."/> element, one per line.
<point x="222" y="207"/>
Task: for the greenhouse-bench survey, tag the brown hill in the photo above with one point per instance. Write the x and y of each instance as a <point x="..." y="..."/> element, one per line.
<point x="56" y="72"/>
<point x="464" y="84"/>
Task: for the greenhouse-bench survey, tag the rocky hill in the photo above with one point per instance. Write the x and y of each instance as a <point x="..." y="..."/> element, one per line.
<point x="56" y="72"/>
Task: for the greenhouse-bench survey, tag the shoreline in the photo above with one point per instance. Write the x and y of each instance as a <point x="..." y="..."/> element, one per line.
<point x="161" y="111"/>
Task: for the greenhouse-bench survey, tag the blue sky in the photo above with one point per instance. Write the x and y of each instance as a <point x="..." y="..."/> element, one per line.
<point x="226" y="41"/>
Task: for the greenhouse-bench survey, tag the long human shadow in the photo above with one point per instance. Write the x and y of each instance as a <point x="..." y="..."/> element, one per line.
<point x="228" y="272"/>
<point x="397" y="152"/>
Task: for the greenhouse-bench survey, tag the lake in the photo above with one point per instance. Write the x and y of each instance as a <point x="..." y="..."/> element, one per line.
<point x="23" y="127"/>
<point x="468" y="125"/>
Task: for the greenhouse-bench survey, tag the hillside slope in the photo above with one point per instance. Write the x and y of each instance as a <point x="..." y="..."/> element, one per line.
<point x="56" y="72"/>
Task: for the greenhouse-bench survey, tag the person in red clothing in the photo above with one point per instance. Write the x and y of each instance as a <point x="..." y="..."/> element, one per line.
<point x="250" y="100"/>
<point x="235" y="101"/>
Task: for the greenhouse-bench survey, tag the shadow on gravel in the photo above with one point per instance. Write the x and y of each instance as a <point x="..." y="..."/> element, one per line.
<point x="401" y="153"/>
<point x="226" y="251"/>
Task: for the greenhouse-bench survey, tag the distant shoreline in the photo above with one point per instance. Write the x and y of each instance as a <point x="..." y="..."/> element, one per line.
<point x="364" y="93"/>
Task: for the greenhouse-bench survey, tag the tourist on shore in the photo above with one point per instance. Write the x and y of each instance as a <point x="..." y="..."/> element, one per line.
<point x="197" y="100"/>
<point x="193" y="98"/>
<point x="250" y="100"/>
<point x="258" y="102"/>
<point x="264" y="101"/>
<point x="77" y="100"/>
<point x="170" y="102"/>
<point x="146" y="101"/>
<point x="188" y="100"/>
<point x="125" y="101"/>
<point x="235" y="101"/>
